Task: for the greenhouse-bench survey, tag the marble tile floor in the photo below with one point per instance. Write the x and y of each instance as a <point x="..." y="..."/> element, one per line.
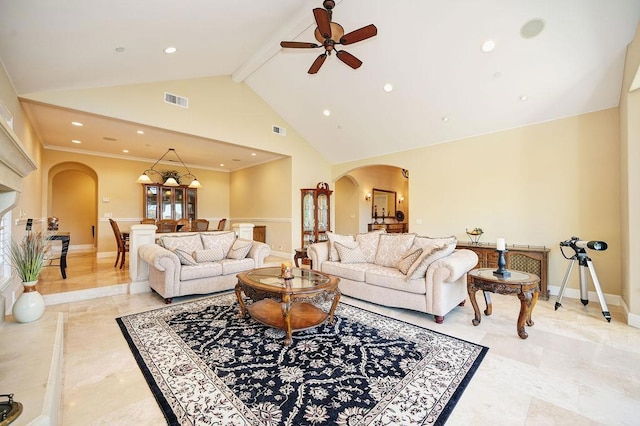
<point x="574" y="369"/>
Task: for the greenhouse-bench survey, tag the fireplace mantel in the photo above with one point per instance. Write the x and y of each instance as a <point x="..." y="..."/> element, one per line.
<point x="15" y="162"/>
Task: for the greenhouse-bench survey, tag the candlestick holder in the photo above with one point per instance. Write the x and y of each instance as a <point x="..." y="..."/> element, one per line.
<point x="501" y="272"/>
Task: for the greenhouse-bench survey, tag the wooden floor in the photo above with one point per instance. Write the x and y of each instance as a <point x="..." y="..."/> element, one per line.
<point x="84" y="271"/>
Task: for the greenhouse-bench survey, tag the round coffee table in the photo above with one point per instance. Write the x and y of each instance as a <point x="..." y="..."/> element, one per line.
<point x="522" y="284"/>
<point x="289" y="305"/>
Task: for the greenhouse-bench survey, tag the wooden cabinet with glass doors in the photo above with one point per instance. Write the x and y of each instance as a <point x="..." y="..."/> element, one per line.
<point x="316" y="214"/>
<point x="169" y="202"/>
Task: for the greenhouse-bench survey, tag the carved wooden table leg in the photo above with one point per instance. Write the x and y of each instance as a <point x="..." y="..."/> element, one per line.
<point x="487" y="300"/>
<point x="243" y="309"/>
<point x="534" y="299"/>
<point x="525" y="312"/>
<point x="286" y="311"/>
<point x="336" y="299"/>
<point x="471" y="290"/>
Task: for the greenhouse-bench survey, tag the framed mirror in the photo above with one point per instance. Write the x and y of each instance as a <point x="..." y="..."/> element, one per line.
<point x="383" y="200"/>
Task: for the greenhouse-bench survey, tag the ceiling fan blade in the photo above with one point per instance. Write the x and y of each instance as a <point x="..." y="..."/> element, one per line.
<point x="298" y="44"/>
<point x="315" y="67"/>
<point x="359" y="35"/>
<point x="349" y="59"/>
<point x="323" y="21"/>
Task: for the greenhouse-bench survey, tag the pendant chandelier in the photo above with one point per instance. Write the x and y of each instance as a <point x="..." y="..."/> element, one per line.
<point x="171" y="181"/>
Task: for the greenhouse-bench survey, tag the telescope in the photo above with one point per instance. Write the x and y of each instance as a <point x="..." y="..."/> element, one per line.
<point x="576" y="243"/>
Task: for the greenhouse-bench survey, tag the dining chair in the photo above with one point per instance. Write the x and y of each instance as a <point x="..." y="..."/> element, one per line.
<point x="200" y="225"/>
<point x="221" y="224"/>
<point x="182" y="225"/>
<point x="167" y="225"/>
<point x="122" y="241"/>
<point x="148" y="221"/>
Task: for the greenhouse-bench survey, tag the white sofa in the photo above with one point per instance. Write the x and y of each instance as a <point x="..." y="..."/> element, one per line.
<point x="399" y="270"/>
<point x="187" y="263"/>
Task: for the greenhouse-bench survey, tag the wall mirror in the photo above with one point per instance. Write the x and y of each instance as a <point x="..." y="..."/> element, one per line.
<point x="383" y="201"/>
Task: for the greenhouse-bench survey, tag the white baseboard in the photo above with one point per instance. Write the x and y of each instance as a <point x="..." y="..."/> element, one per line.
<point x="574" y="293"/>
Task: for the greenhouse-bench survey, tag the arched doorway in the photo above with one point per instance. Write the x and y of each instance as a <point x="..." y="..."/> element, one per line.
<point x="73" y="199"/>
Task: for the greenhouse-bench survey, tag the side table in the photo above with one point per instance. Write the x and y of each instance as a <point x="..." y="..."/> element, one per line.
<point x="301" y="253"/>
<point x="522" y="284"/>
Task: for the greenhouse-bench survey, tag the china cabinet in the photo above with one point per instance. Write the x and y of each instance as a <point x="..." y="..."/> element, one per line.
<point x="169" y="202"/>
<point x="316" y="214"/>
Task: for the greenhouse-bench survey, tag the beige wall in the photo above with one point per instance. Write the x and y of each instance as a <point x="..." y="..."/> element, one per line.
<point x="218" y="109"/>
<point x="262" y="195"/>
<point x="630" y="181"/>
<point x="535" y="185"/>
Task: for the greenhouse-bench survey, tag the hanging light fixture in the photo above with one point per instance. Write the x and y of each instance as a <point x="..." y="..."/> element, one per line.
<point x="171" y="181"/>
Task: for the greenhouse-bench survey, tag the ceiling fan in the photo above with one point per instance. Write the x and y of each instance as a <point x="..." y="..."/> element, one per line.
<point x="331" y="34"/>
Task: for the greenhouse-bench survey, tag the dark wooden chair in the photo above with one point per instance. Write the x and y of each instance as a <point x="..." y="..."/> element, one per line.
<point x="148" y="221"/>
<point x="122" y="241"/>
<point x="167" y="225"/>
<point x="182" y="225"/>
<point x="222" y="224"/>
<point x="200" y="225"/>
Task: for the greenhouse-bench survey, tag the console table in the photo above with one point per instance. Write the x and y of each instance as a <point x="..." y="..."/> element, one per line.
<point x="389" y="227"/>
<point x="526" y="258"/>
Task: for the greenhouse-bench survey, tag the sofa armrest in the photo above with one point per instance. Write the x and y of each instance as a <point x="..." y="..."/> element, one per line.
<point x="259" y="252"/>
<point x="318" y="253"/>
<point x="457" y="263"/>
<point x="159" y="257"/>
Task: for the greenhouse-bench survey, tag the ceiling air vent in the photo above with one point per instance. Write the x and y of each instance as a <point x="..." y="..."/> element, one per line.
<point x="279" y="130"/>
<point x="176" y="100"/>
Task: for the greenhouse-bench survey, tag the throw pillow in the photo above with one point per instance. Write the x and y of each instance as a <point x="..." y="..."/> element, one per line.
<point x="186" y="243"/>
<point x="432" y="250"/>
<point x="369" y="244"/>
<point x="208" y="255"/>
<point x="409" y="259"/>
<point x="333" y="238"/>
<point x="184" y="256"/>
<point x="350" y="252"/>
<point x="240" y="249"/>
<point x="392" y="247"/>
<point x="221" y="240"/>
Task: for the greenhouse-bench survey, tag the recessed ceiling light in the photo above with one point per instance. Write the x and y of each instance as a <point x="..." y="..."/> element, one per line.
<point x="326" y="112"/>
<point x="170" y="50"/>
<point x="141" y="132"/>
<point x="444" y="119"/>
<point x="125" y="150"/>
<point x="221" y="164"/>
<point x="253" y="154"/>
<point x="388" y="87"/>
<point x="497" y="74"/>
<point x="488" y="46"/>
<point x="532" y="28"/>
<point x="75" y="141"/>
<point x="77" y="123"/>
<point x="119" y="49"/>
<point x="523" y="97"/>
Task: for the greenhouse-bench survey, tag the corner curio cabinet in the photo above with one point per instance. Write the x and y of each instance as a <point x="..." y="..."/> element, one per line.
<point x="169" y="202"/>
<point x="316" y="214"/>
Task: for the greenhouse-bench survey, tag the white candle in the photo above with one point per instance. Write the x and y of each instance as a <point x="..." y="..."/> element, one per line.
<point x="500" y="244"/>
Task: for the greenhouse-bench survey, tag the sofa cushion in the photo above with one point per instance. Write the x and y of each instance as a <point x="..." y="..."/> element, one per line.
<point x="392" y="278"/>
<point x="239" y="249"/>
<point x="392" y="247"/>
<point x="333" y="253"/>
<point x="350" y="271"/>
<point x="350" y="252"/>
<point x="409" y="259"/>
<point x="209" y="255"/>
<point x="185" y="257"/>
<point x="200" y="270"/>
<point x="221" y="240"/>
<point x="186" y="243"/>
<point x="235" y="266"/>
<point x="369" y="244"/>
<point x="432" y="249"/>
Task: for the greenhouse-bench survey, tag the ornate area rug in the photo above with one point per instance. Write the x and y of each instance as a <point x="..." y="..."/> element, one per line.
<point x="205" y="365"/>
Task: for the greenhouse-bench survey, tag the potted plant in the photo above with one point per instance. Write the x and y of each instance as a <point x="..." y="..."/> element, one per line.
<point x="27" y="258"/>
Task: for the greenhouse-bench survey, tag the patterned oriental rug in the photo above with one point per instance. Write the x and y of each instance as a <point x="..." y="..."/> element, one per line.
<point x="205" y="365"/>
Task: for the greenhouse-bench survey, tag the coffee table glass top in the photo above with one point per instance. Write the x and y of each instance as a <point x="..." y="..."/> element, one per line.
<point x="302" y="278"/>
<point x="516" y="276"/>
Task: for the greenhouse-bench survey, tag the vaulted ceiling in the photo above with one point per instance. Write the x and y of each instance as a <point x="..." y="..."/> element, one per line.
<point x="550" y="59"/>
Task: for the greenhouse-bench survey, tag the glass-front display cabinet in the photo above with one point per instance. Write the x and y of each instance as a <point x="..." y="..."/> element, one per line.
<point x="316" y="214"/>
<point x="169" y="202"/>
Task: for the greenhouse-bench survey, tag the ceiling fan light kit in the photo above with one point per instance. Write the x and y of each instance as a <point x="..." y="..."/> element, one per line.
<point x="330" y="34"/>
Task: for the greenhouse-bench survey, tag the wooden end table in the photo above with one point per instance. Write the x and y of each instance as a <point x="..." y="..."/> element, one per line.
<point x="522" y="284"/>
<point x="288" y="306"/>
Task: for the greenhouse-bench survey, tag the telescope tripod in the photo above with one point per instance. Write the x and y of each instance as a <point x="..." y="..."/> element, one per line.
<point x="585" y="263"/>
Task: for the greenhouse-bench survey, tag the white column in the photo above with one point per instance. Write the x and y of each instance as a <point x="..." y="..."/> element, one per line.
<point x="243" y="230"/>
<point x="138" y="268"/>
